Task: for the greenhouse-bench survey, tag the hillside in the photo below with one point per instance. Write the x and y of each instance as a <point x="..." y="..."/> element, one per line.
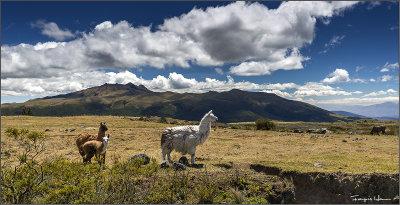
<point x="117" y="99"/>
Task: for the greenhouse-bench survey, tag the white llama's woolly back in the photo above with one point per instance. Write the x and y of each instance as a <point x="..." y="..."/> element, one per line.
<point x="184" y="139"/>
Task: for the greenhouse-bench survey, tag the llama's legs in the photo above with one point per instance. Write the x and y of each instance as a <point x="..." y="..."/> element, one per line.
<point x="81" y="152"/>
<point x="103" y="158"/>
<point x="163" y="155"/>
<point x="192" y="159"/>
<point x="88" y="158"/>
<point x="192" y="153"/>
<point x="168" y="153"/>
<point x="169" y="156"/>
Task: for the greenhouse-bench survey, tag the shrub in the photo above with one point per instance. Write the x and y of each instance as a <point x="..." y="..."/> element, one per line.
<point x="206" y="192"/>
<point x="26" y="111"/>
<point x="336" y="129"/>
<point x="262" y="124"/>
<point x="163" y="120"/>
<point x="257" y="200"/>
<point x="23" y="183"/>
<point x="392" y="130"/>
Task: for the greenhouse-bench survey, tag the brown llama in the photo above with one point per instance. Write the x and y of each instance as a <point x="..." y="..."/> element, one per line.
<point x="82" y="138"/>
<point x="94" y="147"/>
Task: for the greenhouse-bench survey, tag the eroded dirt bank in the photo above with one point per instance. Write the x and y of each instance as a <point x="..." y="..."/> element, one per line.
<point x="316" y="187"/>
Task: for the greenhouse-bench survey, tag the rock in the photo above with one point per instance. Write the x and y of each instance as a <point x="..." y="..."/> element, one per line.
<point x="46" y="130"/>
<point x="350" y="133"/>
<point x="313" y="137"/>
<point x="178" y="166"/>
<point x="197" y="165"/>
<point x="298" y="131"/>
<point x="355" y="139"/>
<point x="83" y="126"/>
<point x="164" y="164"/>
<point x="130" y="118"/>
<point x="71" y="130"/>
<point x="348" y="137"/>
<point x="142" y="156"/>
<point x="318" y="165"/>
<point x="184" y="160"/>
<point x="317" y="131"/>
<point x="344" y="140"/>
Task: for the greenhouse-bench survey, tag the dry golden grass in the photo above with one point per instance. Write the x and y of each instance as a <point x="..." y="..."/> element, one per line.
<point x="288" y="151"/>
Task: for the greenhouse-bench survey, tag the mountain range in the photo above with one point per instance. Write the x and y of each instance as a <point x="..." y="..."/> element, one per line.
<point x="132" y="100"/>
<point x="382" y="111"/>
<point x="348" y="114"/>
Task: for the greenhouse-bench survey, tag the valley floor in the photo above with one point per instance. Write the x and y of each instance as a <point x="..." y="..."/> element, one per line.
<point x="284" y="150"/>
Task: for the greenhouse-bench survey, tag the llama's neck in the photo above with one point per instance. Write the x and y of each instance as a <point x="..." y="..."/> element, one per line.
<point x="101" y="134"/>
<point x="103" y="147"/>
<point x="204" y="130"/>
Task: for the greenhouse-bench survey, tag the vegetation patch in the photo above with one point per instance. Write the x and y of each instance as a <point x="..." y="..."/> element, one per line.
<point x="57" y="180"/>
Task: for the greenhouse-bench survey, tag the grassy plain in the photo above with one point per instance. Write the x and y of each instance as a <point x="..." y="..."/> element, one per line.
<point x="286" y="150"/>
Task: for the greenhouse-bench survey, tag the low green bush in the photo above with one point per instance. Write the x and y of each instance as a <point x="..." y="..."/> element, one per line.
<point x="262" y="124"/>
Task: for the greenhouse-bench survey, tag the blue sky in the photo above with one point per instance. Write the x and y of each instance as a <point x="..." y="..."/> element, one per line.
<point x="329" y="54"/>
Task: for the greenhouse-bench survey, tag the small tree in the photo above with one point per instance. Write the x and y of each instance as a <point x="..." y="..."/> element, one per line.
<point x="27" y="111"/>
<point x="262" y="124"/>
<point x="163" y="120"/>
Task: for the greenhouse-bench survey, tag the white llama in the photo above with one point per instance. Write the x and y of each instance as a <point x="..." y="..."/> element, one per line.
<point x="184" y="139"/>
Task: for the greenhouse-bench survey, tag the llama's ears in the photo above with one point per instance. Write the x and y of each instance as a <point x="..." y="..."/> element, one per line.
<point x="210" y="112"/>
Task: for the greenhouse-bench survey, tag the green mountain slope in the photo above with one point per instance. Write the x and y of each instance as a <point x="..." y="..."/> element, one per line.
<point x="116" y="99"/>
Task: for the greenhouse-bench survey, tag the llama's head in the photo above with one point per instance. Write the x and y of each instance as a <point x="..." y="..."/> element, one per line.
<point x="105" y="138"/>
<point x="211" y="116"/>
<point x="103" y="127"/>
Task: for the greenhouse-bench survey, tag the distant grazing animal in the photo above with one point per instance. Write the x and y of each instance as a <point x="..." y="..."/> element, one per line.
<point x="94" y="147"/>
<point x="184" y="139"/>
<point x="378" y="129"/>
<point x="82" y="138"/>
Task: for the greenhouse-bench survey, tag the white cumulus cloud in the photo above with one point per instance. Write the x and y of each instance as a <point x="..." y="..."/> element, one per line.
<point x="256" y="40"/>
<point x="254" y="68"/>
<point x="337" y="76"/>
<point x="318" y="89"/>
<point x="52" y="30"/>
<point x="386" y="78"/>
<point x="358" y="80"/>
<point x="381" y="92"/>
<point x="74" y="81"/>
